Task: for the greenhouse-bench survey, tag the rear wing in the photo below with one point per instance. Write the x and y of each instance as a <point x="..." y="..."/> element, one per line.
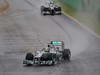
<point x="57" y="45"/>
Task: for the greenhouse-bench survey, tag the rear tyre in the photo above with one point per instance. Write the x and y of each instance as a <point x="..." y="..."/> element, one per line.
<point x="42" y="10"/>
<point x="60" y="13"/>
<point x="66" y="54"/>
<point x="59" y="10"/>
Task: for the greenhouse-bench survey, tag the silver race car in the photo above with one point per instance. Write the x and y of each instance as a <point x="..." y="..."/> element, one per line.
<point x="51" y="55"/>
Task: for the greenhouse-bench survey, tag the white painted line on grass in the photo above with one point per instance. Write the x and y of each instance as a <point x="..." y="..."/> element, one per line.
<point x="82" y="25"/>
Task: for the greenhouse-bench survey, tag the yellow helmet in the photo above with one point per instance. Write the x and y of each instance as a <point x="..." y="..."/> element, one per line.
<point x="45" y="49"/>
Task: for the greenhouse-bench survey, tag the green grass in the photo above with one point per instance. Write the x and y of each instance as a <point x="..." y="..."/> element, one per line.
<point x="67" y="8"/>
<point x="86" y="18"/>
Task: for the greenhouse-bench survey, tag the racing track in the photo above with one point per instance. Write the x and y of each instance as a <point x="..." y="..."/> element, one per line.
<point x="24" y="27"/>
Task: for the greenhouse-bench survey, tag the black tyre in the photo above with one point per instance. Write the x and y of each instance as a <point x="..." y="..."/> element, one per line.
<point x="42" y="10"/>
<point x="44" y="14"/>
<point x="57" y="8"/>
<point x="29" y="56"/>
<point x="66" y="54"/>
<point x="60" y="13"/>
<point x="54" y="61"/>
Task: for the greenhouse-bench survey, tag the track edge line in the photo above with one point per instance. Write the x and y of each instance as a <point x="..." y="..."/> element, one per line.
<point x="82" y="25"/>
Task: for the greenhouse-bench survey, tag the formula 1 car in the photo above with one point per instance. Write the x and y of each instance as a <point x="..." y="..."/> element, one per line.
<point x="50" y="56"/>
<point x="50" y="8"/>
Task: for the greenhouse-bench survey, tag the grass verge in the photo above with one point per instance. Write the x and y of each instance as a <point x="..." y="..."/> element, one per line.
<point x="87" y="18"/>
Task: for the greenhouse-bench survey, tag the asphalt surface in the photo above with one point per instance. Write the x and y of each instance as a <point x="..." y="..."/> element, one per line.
<point x="23" y="28"/>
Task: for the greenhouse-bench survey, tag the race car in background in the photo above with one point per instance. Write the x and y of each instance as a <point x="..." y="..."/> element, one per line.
<point x="53" y="54"/>
<point x="50" y="8"/>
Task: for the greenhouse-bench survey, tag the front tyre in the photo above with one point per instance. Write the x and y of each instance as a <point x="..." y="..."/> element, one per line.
<point x="29" y="59"/>
<point x="29" y="56"/>
<point x="66" y="54"/>
<point x="54" y="61"/>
